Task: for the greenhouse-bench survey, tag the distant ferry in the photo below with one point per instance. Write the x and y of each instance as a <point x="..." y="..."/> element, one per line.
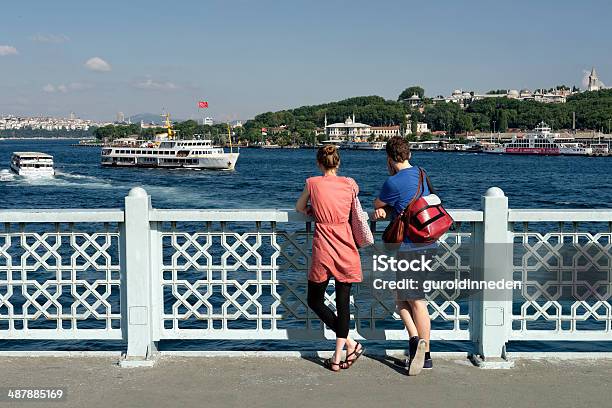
<point x="32" y="164"/>
<point x="540" y="142"/>
<point x="336" y="142"/>
<point x="364" y="145"/>
<point x="352" y="145"/>
<point x="166" y="151"/>
<point x="600" y="149"/>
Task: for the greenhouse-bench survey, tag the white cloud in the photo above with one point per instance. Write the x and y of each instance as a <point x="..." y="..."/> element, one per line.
<point x="150" y="84"/>
<point x="78" y="86"/>
<point x="63" y="88"/>
<point x="97" y="64"/>
<point x="50" y="38"/>
<point x="7" y="50"/>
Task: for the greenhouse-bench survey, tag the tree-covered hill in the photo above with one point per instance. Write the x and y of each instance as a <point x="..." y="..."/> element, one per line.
<point x="593" y="111"/>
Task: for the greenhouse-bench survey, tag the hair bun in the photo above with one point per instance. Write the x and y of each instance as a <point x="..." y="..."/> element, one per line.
<point x="328" y="156"/>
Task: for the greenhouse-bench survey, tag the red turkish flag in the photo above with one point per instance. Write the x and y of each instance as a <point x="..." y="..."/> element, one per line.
<point x="203" y="104"/>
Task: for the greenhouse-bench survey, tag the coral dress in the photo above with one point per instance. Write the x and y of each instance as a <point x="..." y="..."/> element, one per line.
<point x="334" y="252"/>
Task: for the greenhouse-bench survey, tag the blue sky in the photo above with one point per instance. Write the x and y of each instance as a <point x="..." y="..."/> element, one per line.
<point x="247" y="57"/>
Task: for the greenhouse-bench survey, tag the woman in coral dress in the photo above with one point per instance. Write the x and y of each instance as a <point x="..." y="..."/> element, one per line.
<point x="334" y="252"/>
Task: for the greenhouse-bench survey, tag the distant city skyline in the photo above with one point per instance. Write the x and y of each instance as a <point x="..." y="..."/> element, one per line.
<point x="244" y="58"/>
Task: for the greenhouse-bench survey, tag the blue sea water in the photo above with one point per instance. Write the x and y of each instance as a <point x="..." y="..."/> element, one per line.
<point x="275" y="178"/>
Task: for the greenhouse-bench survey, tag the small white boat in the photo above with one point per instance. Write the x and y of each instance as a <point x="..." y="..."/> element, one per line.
<point x="32" y="164"/>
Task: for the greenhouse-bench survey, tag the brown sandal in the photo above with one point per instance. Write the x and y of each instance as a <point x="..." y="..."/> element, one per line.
<point x="329" y="364"/>
<point x="357" y="353"/>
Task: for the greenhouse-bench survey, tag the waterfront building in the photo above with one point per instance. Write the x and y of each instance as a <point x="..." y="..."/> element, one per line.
<point x="385" y="132"/>
<point x="421" y="128"/>
<point x="150" y="125"/>
<point x="347" y="130"/>
<point x="11" y="122"/>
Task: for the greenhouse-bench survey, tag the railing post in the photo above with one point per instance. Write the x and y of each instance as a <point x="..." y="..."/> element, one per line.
<point x="136" y="289"/>
<point x="491" y="309"/>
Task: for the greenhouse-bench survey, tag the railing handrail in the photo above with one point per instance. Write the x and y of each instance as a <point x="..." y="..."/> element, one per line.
<point x="559" y="215"/>
<point x="268" y="215"/>
<point x="62" y="215"/>
<point x="279" y="215"/>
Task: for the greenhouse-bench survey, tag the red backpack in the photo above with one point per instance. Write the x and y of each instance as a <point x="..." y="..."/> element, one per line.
<point x="424" y="220"/>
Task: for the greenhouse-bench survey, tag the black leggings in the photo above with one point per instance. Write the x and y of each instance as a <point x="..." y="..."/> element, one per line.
<point x="316" y="301"/>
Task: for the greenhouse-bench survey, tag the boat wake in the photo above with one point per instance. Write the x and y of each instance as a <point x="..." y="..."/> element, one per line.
<point x="6" y="175"/>
<point x="165" y="195"/>
<point x="74" y="176"/>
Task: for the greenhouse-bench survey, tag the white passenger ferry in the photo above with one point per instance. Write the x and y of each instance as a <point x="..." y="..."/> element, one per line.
<point x="364" y="145"/>
<point x="167" y="151"/>
<point x="339" y="143"/>
<point x="541" y="142"/>
<point x="32" y="164"/>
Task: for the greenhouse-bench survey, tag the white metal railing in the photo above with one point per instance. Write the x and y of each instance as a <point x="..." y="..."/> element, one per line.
<point x="577" y="287"/>
<point x="60" y="272"/>
<point x="144" y="275"/>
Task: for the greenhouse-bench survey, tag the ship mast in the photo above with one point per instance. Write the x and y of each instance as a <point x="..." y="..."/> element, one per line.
<point x="169" y="129"/>
<point x="229" y="135"/>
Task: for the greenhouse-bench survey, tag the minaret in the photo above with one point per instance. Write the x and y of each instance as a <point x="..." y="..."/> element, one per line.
<point x="593" y="81"/>
<point x="353" y="117"/>
<point x="326" y="120"/>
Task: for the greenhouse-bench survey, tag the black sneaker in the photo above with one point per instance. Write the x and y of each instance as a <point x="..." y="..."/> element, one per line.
<point x="417" y="361"/>
<point x="428" y="364"/>
<point x="413" y="343"/>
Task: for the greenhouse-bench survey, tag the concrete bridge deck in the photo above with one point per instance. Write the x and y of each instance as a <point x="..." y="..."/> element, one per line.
<point x="177" y="381"/>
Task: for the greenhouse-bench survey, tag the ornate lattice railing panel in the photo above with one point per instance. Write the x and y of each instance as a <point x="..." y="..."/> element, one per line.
<point x="566" y="271"/>
<point x="248" y="280"/>
<point x="59" y="280"/>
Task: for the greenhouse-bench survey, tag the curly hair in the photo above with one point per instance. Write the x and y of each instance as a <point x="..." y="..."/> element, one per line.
<point x="398" y="149"/>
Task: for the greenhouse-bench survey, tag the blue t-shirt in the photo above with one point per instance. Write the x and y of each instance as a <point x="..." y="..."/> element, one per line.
<point x="399" y="189"/>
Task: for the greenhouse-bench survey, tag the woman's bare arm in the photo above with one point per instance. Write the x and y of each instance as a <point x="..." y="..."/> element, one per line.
<point x="302" y="203"/>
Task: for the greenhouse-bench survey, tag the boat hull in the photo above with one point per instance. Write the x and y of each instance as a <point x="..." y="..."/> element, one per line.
<point x="221" y="162"/>
<point x="40" y="172"/>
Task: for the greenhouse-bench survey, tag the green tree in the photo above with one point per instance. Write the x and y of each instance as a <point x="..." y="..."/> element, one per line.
<point x="412" y="90"/>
